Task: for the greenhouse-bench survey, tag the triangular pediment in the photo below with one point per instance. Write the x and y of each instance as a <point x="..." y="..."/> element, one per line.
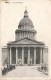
<point x="26" y="41"/>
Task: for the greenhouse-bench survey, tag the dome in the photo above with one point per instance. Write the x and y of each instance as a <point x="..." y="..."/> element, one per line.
<point x="25" y="20"/>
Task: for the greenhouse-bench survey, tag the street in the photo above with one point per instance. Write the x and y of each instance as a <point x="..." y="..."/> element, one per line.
<point x="25" y="71"/>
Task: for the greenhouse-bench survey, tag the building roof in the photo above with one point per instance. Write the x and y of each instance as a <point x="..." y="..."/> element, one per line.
<point x="26" y="41"/>
<point x="25" y="20"/>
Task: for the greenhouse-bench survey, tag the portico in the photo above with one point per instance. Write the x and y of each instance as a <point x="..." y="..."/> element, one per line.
<point x="26" y="55"/>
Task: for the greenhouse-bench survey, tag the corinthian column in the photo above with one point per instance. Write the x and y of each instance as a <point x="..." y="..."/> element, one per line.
<point x="22" y="55"/>
<point x="28" y="55"/>
<point x="35" y="55"/>
<point x="16" y="55"/>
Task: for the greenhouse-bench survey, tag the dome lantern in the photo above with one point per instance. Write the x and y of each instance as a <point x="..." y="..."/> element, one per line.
<point x="25" y="13"/>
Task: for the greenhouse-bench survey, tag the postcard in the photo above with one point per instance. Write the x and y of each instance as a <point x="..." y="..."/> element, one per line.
<point x="25" y="39"/>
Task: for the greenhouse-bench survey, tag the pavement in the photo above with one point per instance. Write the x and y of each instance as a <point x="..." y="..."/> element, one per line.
<point x="25" y="71"/>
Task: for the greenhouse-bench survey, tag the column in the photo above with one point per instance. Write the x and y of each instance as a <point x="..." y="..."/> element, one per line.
<point x="19" y="35"/>
<point x="40" y="55"/>
<point x="8" y="64"/>
<point x="16" y="55"/>
<point x="10" y="57"/>
<point x="32" y="35"/>
<point x="22" y="55"/>
<point x="22" y="34"/>
<point x="28" y="55"/>
<point x="29" y="34"/>
<point x="35" y="55"/>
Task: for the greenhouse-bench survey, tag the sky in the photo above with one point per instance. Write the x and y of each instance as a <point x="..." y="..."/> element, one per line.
<point x="39" y="12"/>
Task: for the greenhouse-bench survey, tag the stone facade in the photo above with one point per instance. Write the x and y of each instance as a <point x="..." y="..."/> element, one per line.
<point x="25" y="50"/>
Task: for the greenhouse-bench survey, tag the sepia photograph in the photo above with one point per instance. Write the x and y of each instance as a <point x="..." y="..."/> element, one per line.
<point x="25" y="39"/>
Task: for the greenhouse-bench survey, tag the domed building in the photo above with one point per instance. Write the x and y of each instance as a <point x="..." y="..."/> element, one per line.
<point x="25" y="28"/>
<point x="25" y="50"/>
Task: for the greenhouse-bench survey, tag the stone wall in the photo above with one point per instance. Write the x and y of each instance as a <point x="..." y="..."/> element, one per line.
<point x="45" y="55"/>
<point x="4" y="56"/>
